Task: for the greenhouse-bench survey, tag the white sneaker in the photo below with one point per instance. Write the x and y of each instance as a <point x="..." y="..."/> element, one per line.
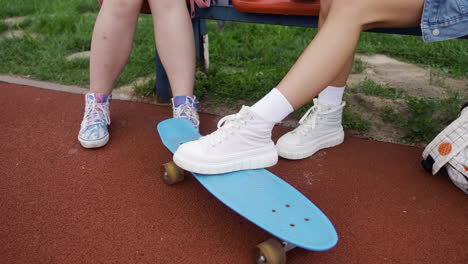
<point x="242" y="141"/>
<point x="94" y="127"/>
<point x="319" y="128"/>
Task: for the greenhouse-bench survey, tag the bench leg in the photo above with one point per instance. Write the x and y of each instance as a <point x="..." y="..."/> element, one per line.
<point x="163" y="88"/>
<point x="201" y="42"/>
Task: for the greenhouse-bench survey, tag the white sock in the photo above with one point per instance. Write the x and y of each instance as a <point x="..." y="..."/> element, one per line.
<point x="331" y="95"/>
<point x="273" y="107"/>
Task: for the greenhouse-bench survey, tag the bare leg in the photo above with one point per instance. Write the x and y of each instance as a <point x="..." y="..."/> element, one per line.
<point x="175" y="43"/>
<point x="335" y="43"/>
<point x="112" y="42"/>
<point x="342" y="77"/>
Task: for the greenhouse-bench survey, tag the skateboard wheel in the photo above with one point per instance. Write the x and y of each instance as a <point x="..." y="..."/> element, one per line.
<point x="270" y="252"/>
<point x="171" y="173"/>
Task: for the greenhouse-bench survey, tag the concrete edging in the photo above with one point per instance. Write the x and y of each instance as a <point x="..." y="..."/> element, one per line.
<point x="116" y="94"/>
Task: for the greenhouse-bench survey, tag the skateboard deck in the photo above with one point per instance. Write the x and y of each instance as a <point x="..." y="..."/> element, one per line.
<point x="260" y="196"/>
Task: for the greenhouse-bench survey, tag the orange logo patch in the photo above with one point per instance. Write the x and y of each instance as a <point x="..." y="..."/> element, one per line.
<point x="445" y="148"/>
<point x="466" y="168"/>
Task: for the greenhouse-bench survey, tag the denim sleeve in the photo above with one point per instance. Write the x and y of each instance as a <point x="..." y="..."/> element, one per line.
<point x="444" y="19"/>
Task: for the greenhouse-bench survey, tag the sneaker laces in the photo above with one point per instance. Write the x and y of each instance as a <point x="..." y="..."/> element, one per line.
<point x="309" y="120"/>
<point x="95" y="113"/>
<point x="227" y="125"/>
<point x="187" y="110"/>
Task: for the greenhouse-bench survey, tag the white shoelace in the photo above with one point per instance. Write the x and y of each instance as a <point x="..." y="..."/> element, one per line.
<point x="309" y="120"/>
<point x="94" y="114"/>
<point x="189" y="112"/>
<point x="226" y="127"/>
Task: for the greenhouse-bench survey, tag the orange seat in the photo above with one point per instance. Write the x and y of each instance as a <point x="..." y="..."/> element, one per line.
<point x="281" y="7"/>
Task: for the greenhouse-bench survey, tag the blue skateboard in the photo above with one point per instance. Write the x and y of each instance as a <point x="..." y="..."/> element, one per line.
<point x="259" y="196"/>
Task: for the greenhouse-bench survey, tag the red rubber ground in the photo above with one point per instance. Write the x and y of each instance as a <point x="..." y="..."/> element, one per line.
<point x="60" y="203"/>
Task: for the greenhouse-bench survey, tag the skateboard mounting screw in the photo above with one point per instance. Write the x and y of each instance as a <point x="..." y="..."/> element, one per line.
<point x="274" y="211"/>
<point x="306" y="219"/>
<point x="288" y="205"/>
<point x="292" y="225"/>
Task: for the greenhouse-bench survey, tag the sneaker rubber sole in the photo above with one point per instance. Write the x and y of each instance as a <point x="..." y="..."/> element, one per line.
<point x="256" y="159"/>
<point x="94" y="143"/>
<point x="309" y="149"/>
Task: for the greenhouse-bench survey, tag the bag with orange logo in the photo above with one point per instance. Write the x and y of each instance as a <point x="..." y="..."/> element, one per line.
<point x="450" y="150"/>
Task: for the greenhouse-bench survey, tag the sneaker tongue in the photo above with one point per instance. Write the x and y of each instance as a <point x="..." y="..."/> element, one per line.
<point x="101" y="98"/>
<point x="178" y="100"/>
<point x="97" y="97"/>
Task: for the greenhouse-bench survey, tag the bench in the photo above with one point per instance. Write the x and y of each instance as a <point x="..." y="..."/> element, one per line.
<point x="300" y="13"/>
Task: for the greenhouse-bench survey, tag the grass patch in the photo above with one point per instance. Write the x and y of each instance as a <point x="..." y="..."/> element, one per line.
<point x="354" y="121"/>
<point x="358" y="66"/>
<point x="35" y="7"/>
<point x="437" y="77"/>
<point x="66" y="33"/>
<point x="427" y="116"/>
<point x="372" y="88"/>
<point x="146" y="89"/>
<point x="3" y="27"/>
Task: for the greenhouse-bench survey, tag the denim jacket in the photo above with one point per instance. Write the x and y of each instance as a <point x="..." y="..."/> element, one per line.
<point x="444" y="19"/>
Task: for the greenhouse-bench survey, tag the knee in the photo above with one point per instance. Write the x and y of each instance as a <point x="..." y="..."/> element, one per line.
<point x="122" y="8"/>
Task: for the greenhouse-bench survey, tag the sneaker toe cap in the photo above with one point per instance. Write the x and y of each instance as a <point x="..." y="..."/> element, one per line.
<point x="289" y="139"/>
<point x="190" y="150"/>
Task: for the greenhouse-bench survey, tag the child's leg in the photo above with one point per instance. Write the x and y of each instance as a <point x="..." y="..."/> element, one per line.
<point x="242" y="142"/>
<point x="110" y="48"/>
<point x="175" y="43"/>
<point x="176" y="48"/>
<point x="112" y="42"/>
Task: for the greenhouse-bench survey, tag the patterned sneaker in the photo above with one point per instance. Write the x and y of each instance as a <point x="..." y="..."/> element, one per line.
<point x="319" y="128"/>
<point x="186" y="107"/>
<point x="242" y="141"/>
<point x="94" y="127"/>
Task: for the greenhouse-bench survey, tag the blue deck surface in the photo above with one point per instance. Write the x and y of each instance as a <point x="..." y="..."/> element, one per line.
<point x="260" y="196"/>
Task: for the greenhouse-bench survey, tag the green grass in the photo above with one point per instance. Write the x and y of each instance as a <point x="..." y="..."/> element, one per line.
<point x="3" y="27"/>
<point x="354" y="121"/>
<point x="358" y="66"/>
<point x="34" y="7"/>
<point x="427" y="116"/>
<point x="372" y="88"/>
<point x="146" y="89"/>
<point x="66" y="27"/>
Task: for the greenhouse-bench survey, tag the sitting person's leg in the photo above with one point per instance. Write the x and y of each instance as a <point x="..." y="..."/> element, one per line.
<point x="110" y="48"/>
<point x="244" y="141"/>
<point x="321" y="126"/>
<point x="176" y="48"/>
